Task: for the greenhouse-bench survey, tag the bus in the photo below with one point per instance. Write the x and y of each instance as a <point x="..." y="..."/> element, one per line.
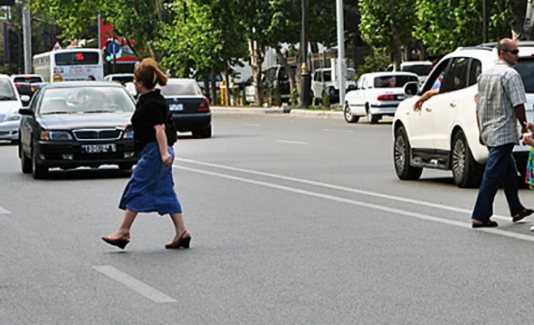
<point x="69" y="64"/>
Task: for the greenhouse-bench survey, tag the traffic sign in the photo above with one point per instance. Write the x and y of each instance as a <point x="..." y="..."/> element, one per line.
<point x="57" y="46"/>
<point x="114" y="48"/>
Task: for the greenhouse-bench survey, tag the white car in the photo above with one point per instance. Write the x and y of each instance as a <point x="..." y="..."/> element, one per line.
<point x="10" y="103"/>
<point x="322" y="82"/>
<point x="444" y="133"/>
<point x="377" y="94"/>
<point x="121" y="78"/>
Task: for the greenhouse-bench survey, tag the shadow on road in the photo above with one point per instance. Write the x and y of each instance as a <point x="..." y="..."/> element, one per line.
<point x="86" y="173"/>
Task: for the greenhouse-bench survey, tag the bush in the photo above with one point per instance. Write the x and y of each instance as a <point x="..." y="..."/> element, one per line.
<point x="378" y="61"/>
<point x="326" y="97"/>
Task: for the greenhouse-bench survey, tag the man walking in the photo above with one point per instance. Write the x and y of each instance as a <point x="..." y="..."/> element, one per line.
<point x="501" y="98"/>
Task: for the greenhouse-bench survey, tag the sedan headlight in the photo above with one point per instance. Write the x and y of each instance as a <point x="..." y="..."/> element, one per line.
<point x="128" y="135"/>
<point x="12" y="117"/>
<point x="55" y="135"/>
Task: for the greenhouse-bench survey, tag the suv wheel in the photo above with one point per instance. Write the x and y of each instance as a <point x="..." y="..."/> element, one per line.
<point x="465" y="170"/>
<point x="401" y="156"/>
<point x="348" y="115"/>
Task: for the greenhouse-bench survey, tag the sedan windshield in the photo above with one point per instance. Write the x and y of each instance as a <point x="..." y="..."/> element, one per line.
<point x="86" y="100"/>
<point x="6" y="90"/>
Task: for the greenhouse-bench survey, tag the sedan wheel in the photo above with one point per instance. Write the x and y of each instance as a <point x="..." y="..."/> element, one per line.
<point x="348" y="115"/>
<point x="371" y="118"/>
<point x="25" y="163"/>
<point x="38" y="171"/>
<point x="401" y="156"/>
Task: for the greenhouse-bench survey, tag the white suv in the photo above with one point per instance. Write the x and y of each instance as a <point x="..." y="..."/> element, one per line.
<point x="444" y="133"/>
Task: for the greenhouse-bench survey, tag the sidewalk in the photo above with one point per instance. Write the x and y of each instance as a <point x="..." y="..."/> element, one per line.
<point x="275" y="110"/>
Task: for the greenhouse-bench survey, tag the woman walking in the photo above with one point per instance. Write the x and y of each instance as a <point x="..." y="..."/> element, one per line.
<point x="151" y="187"/>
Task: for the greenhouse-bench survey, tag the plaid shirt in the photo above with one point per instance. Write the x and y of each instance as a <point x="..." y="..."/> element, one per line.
<point x="500" y="89"/>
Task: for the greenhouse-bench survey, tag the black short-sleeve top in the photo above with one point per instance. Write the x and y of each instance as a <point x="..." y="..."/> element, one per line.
<point x="151" y="110"/>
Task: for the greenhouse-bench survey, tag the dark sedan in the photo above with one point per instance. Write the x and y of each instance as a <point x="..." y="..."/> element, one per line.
<point x="75" y="124"/>
<point x="190" y="109"/>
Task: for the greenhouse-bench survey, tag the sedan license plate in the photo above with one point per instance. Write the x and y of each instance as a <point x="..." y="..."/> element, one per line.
<point x="176" y="107"/>
<point x="98" y="148"/>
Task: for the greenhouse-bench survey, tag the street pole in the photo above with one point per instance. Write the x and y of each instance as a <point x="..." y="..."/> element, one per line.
<point x="485" y="21"/>
<point x="305" y="73"/>
<point x="340" y="52"/>
<point x="99" y="31"/>
<point x="27" y="39"/>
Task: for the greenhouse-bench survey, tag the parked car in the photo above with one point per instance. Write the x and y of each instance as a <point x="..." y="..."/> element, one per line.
<point x="10" y="103"/>
<point x="444" y="133"/>
<point x="75" y="124"/>
<point x="121" y="78"/>
<point x="376" y="95"/>
<point x="322" y="81"/>
<point x="30" y="78"/>
<point x="189" y="107"/>
<point x="420" y="68"/>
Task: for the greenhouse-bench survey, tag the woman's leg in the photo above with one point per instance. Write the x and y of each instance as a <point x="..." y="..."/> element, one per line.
<point x="179" y="226"/>
<point x="124" y="229"/>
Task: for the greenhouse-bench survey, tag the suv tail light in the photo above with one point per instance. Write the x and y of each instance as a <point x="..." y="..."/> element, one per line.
<point x="204" y="106"/>
<point x="386" y="97"/>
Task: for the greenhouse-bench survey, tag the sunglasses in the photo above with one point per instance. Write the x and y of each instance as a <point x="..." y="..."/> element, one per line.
<point x="514" y="52"/>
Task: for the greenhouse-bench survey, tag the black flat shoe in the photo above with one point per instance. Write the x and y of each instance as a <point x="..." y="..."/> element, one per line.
<point x="487" y="224"/>
<point x="525" y="213"/>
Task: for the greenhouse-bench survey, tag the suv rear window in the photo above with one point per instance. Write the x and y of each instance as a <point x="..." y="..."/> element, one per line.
<point x="525" y="67"/>
<point x="395" y="81"/>
<point x="418" y="69"/>
<point x="29" y="79"/>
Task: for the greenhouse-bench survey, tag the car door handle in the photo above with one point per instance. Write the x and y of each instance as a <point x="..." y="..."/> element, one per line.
<point x="428" y="109"/>
<point x="453" y="104"/>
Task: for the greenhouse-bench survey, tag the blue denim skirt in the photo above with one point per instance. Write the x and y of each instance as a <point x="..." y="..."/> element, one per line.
<point x="151" y="187"/>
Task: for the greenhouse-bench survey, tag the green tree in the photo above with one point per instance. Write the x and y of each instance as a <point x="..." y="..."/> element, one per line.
<point x="388" y="24"/>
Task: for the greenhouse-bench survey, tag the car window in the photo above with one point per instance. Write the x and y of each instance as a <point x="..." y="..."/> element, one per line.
<point x="327" y="76"/>
<point x="393" y="81"/>
<point x="359" y="83"/>
<point x="316" y="76"/>
<point x="351" y="74"/>
<point x="6" y="90"/>
<point x="456" y="77"/>
<point x="29" y="79"/>
<point x="85" y="100"/>
<point x="435" y="78"/>
<point x="474" y="71"/>
<point x="35" y="100"/>
<point x="185" y="88"/>
<point x="525" y="67"/>
<point x="418" y="69"/>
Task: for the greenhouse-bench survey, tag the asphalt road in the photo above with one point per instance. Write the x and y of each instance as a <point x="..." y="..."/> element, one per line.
<point x="295" y="220"/>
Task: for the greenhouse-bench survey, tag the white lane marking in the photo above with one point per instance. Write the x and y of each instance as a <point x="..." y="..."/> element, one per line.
<point x="4" y="211"/>
<point x="251" y="124"/>
<point x="134" y="284"/>
<point x="364" y="204"/>
<point x="340" y="188"/>
<point x="292" y="142"/>
<point x="338" y="130"/>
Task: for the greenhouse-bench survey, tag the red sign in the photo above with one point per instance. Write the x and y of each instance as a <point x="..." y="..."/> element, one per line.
<point x="107" y="36"/>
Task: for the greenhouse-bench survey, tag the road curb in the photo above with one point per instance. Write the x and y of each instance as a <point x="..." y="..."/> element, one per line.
<point x="282" y="110"/>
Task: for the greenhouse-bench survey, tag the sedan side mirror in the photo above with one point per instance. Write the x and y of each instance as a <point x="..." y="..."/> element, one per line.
<point x="25" y="111"/>
<point x="411" y="88"/>
<point x="25" y="98"/>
